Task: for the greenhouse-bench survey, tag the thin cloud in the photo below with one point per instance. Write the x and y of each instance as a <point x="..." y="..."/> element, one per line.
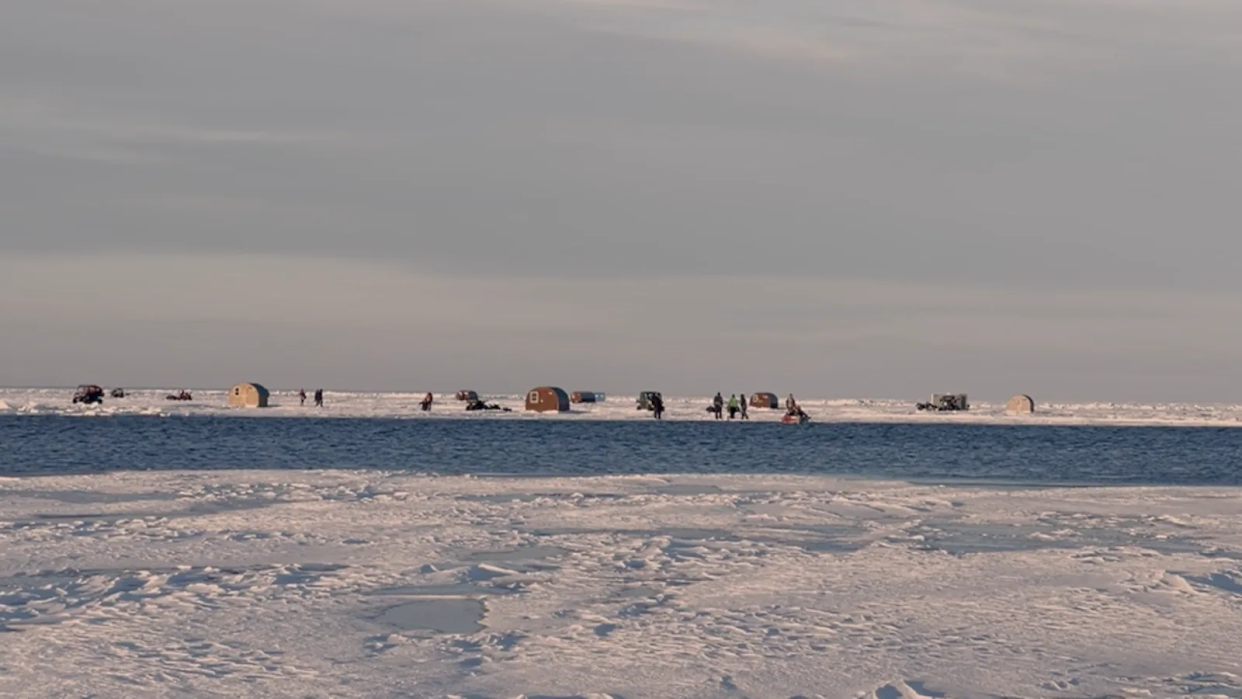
<point x="1034" y="39"/>
<point x="62" y="115"/>
<point x="680" y="5"/>
<point x="321" y="289"/>
<point x="828" y="337"/>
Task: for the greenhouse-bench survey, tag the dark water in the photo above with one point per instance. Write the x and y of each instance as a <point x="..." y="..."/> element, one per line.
<point x="1041" y="454"/>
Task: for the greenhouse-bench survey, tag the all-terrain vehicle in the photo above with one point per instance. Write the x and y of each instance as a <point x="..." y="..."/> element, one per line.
<point x="88" y="394"/>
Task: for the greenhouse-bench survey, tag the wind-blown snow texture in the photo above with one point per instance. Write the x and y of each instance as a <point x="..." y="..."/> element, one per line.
<point x="374" y="584"/>
<point x="56" y="401"/>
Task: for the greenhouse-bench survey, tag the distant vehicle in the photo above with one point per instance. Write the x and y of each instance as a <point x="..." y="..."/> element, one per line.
<point x="88" y="393"/>
<point x="118" y="393"/>
<point x="644" y="399"/>
<point x="184" y="395"/>
<point x="945" y="402"/>
<point x="466" y="396"/>
<point x="476" y="404"/>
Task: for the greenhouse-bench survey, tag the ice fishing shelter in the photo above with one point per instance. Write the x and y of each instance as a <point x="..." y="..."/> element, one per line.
<point x="1020" y="405"/>
<point x="467" y="395"/>
<point x="586" y="397"/>
<point x="547" y="399"/>
<point x="765" y="400"/>
<point x="248" y="395"/>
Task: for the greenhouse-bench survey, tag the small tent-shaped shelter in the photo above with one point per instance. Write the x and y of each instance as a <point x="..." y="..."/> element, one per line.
<point x="1020" y="405"/>
<point x="586" y="397"/>
<point x="765" y="400"/>
<point x="248" y="395"/>
<point x="547" y="399"/>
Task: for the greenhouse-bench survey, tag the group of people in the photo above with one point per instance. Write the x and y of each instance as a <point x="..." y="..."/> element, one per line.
<point x="318" y="397"/>
<point x="734" y="406"/>
<point x="471" y="405"/>
<point x="737" y="407"/>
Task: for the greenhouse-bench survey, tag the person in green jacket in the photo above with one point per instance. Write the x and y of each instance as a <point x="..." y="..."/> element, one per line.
<point x="733" y="406"/>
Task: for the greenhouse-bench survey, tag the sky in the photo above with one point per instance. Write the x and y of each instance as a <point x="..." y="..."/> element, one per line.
<point x="838" y="198"/>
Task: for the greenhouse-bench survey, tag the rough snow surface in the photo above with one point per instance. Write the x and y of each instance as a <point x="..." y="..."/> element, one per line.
<point x="58" y="401"/>
<point x="373" y="584"/>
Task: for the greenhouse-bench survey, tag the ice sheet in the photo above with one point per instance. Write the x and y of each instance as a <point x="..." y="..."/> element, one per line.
<point x="327" y="584"/>
<point x="57" y="401"/>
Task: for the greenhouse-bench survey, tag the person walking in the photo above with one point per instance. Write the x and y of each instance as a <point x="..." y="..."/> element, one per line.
<point x="318" y="397"/>
<point x="743" y="404"/>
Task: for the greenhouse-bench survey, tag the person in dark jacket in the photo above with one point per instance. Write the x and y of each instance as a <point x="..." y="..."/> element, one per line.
<point x="318" y="397"/>
<point x="718" y="405"/>
<point x="426" y="402"/>
<point x="743" y="404"/>
<point x="301" y="396"/>
<point x="657" y="406"/>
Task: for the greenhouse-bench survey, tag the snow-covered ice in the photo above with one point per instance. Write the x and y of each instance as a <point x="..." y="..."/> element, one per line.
<point x="376" y="584"/>
<point x="57" y="401"/>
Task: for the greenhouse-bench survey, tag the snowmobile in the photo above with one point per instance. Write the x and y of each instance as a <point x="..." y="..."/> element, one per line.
<point x="796" y="417"/>
<point x="480" y="405"/>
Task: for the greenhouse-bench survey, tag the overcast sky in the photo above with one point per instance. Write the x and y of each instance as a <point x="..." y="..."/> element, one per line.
<point x="845" y="198"/>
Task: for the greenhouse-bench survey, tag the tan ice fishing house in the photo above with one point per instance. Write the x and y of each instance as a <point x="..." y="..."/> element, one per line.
<point x="248" y="395"/>
<point x="1020" y="405"/>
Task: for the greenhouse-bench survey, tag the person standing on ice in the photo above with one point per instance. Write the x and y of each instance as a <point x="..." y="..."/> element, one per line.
<point x="302" y="397"/>
<point x="791" y="405"/>
<point x="742" y="402"/>
<point x="657" y="406"/>
<point x="426" y="404"/>
<point x="318" y="397"/>
<point x="732" y="406"/>
<point x="718" y="405"/>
